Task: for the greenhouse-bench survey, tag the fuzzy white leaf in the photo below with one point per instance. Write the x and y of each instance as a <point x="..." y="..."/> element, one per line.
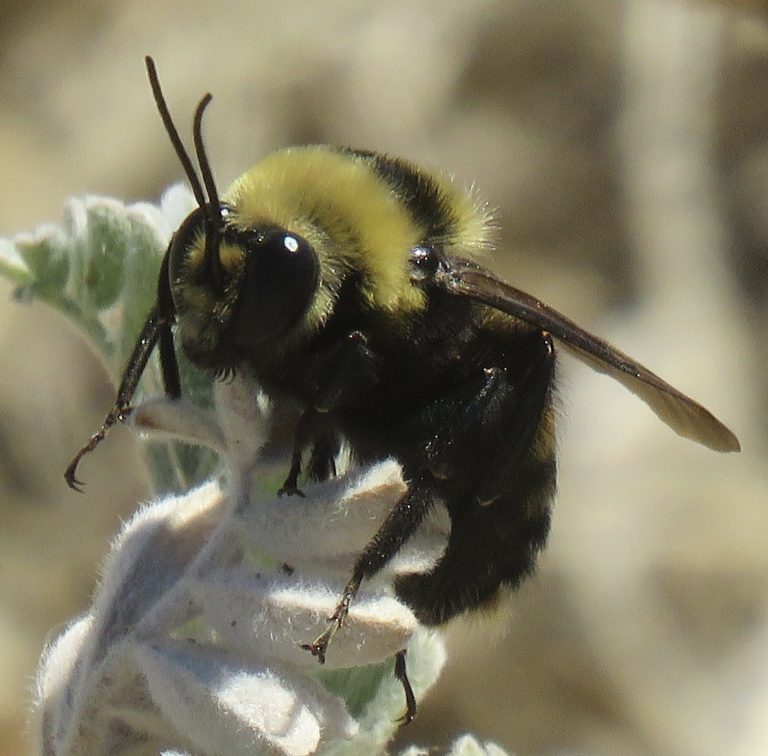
<point x="249" y="576"/>
<point x="55" y="679"/>
<point x="224" y="707"/>
<point x="242" y="412"/>
<point x="469" y="745"/>
<point x="329" y="525"/>
<point x="178" y="419"/>
<point x="151" y="555"/>
<point x="273" y="614"/>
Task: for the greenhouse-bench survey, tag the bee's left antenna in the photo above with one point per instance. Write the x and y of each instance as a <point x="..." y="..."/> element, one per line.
<point x="165" y="114"/>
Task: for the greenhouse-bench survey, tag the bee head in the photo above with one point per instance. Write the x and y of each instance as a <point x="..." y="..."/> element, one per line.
<point x="240" y="294"/>
<point x="235" y="289"/>
<point x="231" y="290"/>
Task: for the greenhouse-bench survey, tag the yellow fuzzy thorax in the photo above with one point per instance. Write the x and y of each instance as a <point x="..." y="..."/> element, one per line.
<point x="354" y="220"/>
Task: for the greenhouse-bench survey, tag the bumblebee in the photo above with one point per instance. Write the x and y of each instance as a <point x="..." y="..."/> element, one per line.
<point x="345" y="281"/>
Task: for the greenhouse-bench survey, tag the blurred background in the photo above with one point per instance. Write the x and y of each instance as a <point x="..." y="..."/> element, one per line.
<point x="625" y="147"/>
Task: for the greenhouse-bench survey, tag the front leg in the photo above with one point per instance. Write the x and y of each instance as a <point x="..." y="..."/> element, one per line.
<point x="349" y="371"/>
<point x="302" y="436"/>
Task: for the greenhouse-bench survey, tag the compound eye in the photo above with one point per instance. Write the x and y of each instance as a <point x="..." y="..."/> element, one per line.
<point x="192" y="227"/>
<point x="282" y="273"/>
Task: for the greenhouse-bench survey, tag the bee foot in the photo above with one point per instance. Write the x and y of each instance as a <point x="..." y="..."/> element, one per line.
<point x="410" y="699"/>
<point x="317" y="648"/>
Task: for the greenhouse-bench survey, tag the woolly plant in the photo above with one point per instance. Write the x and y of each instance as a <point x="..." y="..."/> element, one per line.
<point x="192" y="642"/>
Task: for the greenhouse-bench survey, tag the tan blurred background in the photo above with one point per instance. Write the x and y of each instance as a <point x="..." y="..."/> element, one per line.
<point x="625" y="146"/>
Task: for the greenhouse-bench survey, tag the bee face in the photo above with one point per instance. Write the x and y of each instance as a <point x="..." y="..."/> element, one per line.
<point x="237" y="289"/>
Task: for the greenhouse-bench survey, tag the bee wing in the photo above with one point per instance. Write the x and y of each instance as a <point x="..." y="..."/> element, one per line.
<point x="681" y="413"/>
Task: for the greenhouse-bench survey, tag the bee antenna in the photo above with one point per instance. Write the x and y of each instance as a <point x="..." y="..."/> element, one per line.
<point x="165" y="114"/>
<point x="211" y="206"/>
<point x="213" y="214"/>
<point x="202" y="158"/>
<point x="213" y="220"/>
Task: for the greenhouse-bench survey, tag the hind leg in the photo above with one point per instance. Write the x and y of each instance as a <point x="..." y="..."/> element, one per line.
<point x="480" y="462"/>
<point x="497" y="465"/>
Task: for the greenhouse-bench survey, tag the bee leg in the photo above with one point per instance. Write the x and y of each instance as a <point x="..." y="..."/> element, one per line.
<point x="156" y="330"/>
<point x="306" y="431"/>
<point x="494" y="464"/>
<point x="352" y="372"/>
<point x="396" y="529"/>
<point x="410" y="699"/>
<point x="322" y="464"/>
<point x="290" y="485"/>
<point x="169" y="365"/>
<point x="313" y="429"/>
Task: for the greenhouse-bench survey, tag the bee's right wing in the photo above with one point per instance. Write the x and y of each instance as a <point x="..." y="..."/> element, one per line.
<point x="681" y="413"/>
